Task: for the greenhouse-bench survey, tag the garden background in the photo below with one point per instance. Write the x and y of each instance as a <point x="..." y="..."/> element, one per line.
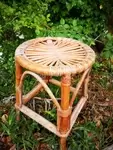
<point x="84" y="20"/>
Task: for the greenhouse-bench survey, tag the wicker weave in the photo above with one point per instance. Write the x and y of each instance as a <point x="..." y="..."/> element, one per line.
<point x="55" y="56"/>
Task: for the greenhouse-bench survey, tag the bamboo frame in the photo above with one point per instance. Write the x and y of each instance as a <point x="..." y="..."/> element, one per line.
<point x="48" y="125"/>
<point x="64" y="121"/>
<point x="42" y="83"/>
<point x="65" y="124"/>
<point x="18" y="92"/>
<point x="78" y="86"/>
<point x="54" y="57"/>
<point x="58" y="83"/>
<point x="18" y="78"/>
<point x="33" y="92"/>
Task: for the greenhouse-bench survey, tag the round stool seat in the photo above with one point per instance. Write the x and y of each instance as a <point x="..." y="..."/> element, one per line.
<point x="55" y="56"/>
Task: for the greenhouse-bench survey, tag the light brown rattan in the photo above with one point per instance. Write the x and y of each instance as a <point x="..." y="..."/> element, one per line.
<point x="55" y="56"/>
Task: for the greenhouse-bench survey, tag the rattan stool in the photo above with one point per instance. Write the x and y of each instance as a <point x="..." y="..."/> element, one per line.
<point x="54" y="56"/>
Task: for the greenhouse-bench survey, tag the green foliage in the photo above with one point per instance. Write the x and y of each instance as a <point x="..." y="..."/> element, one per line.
<point x="27" y="134"/>
<point x="19" y="21"/>
<point x="52" y="141"/>
<point x="21" y="132"/>
<point x="72" y="8"/>
<point x="84" y="137"/>
<point x="22" y="20"/>
<point x="106" y="6"/>
<point x="81" y="20"/>
<point x="108" y="49"/>
<point x="97" y="66"/>
<point x="74" y="28"/>
<point x="107" y="52"/>
<point x="51" y="115"/>
<point x="22" y="16"/>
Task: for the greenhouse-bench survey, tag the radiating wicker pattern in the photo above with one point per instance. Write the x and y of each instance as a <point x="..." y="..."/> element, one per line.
<point x="55" y="56"/>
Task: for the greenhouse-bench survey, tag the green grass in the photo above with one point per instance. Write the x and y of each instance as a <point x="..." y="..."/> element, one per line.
<point x="27" y="134"/>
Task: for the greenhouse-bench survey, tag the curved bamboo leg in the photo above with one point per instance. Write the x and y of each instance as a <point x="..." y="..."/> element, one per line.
<point x="43" y="83"/>
<point x="85" y="88"/>
<point x="26" y="98"/>
<point x="85" y="85"/>
<point x="18" y="93"/>
<point x="78" y="86"/>
<point x="64" y="121"/>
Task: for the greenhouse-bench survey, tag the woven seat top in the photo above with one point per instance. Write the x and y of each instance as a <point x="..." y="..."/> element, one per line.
<point x="55" y="56"/>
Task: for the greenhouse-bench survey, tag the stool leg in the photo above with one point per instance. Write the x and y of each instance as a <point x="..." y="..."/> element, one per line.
<point x="63" y="143"/>
<point x="64" y="121"/>
<point x="85" y="86"/>
<point x="18" y="100"/>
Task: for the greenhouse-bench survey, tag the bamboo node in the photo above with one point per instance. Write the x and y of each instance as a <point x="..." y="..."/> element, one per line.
<point x="17" y="88"/>
<point x="18" y="106"/>
<point x="64" y="113"/>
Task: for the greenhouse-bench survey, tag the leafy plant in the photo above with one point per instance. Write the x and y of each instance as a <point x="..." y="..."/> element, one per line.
<point x="84" y="137"/>
<point x="97" y="66"/>
<point x="23" y="20"/>
<point x="20" y="21"/>
<point x="73" y="28"/>
<point x="21" y="132"/>
<point x="108" y="49"/>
